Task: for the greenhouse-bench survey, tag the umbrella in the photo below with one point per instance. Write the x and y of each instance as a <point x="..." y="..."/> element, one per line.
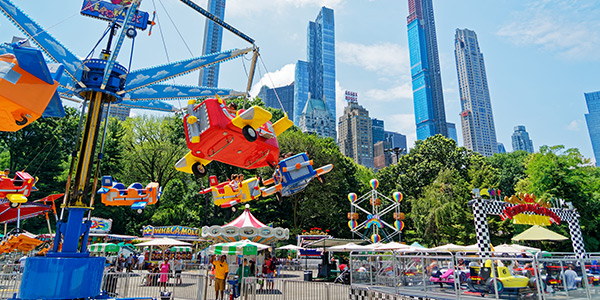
<point x="539" y="233"/>
<point x="181" y="249"/>
<point x="417" y="245"/>
<point x="244" y="247"/>
<point x="163" y="242"/>
<point x="514" y="248"/>
<point x="350" y="247"/>
<point x="104" y="247"/>
<point x="449" y="248"/>
<point x="289" y="247"/>
<point x="392" y="246"/>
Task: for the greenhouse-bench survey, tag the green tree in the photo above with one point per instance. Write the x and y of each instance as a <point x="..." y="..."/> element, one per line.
<point x="510" y="169"/>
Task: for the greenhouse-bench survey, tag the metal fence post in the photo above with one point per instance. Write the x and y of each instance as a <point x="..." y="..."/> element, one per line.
<point x="174" y="286"/>
<point x="284" y="289"/>
<point x="199" y="295"/>
<point x="327" y="291"/>
<point x="126" y="287"/>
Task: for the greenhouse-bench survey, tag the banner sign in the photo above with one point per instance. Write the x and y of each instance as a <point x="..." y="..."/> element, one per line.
<point x="100" y="225"/>
<point x="107" y="11"/>
<point x="171" y="232"/>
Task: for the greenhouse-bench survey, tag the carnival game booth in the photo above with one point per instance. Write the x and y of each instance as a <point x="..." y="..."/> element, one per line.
<point x="187" y="235"/>
<point x="245" y="227"/>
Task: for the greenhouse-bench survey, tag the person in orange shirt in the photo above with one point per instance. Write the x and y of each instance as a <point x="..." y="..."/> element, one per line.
<point x="221" y="272"/>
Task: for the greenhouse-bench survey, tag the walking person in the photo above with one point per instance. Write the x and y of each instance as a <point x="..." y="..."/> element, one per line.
<point x="164" y="273"/>
<point x="221" y="272"/>
<point x="178" y="266"/>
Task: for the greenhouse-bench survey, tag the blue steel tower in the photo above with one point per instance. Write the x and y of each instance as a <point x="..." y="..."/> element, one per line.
<point x="428" y="98"/>
<point x="479" y="133"/>
<point x="213" y="37"/>
<point x="593" y="121"/>
<point x="319" y="70"/>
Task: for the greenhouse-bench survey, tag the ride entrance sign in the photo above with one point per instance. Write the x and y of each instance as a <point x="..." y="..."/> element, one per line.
<point x="108" y="11"/>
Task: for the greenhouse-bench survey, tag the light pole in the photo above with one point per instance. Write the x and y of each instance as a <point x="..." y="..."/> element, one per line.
<point x="397" y="151"/>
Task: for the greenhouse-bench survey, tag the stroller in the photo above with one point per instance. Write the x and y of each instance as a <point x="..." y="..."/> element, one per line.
<point x="344" y="277"/>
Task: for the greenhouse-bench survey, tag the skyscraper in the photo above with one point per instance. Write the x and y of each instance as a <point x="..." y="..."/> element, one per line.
<point x="378" y="130"/>
<point x="319" y="71"/>
<point x="479" y="132"/>
<point x="396" y="140"/>
<point x="593" y="121"/>
<point x="284" y="93"/>
<point x="355" y="134"/>
<point x="501" y="148"/>
<point x="315" y="118"/>
<point x="521" y="140"/>
<point x="213" y="37"/>
<point x="428" y="96"/>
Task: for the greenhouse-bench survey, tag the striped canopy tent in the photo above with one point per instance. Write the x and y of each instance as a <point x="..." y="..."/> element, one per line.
<point x="246" y="227"/>
<point x="244" y="247"/>
<point x="104" y="247"/>
<point x="181" y="249"/>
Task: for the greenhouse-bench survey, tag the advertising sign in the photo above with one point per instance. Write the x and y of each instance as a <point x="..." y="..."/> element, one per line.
<point x="107" y="11"/>
<point x="171" y="232"/>
<point x="100" y="225"/>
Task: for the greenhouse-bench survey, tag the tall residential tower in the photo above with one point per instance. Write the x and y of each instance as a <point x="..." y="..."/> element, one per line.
<point x="315" y="79"/>
<point x="213" y="37"/>
<point x="428" y="96"/>
<point x="593" y="121"/>
<point x="479" y="133"/>
<point x="521" y="140"/>
<point x="356" y="135"/>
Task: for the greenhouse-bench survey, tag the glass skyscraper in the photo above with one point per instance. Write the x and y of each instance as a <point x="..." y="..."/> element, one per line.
<point x="213" y="37"/>
<point x="428" y="96"/>
<point x="285" y="94"/>
<point x="320" y="68"/>
<point x="378" y="130"/>
<point x="479" y="132"/>
<point x="593" y="121"/>
<point x="521" y="140"/>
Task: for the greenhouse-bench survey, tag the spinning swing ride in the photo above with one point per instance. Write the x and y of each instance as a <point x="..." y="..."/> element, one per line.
<point x="100" y="82"/>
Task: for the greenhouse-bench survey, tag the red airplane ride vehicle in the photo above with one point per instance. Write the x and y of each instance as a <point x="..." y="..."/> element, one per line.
<point x="18" y="189"/>
<point x="246" y="140"/>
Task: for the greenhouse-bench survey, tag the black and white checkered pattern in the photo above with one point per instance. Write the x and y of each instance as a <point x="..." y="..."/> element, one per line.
<point x="482" y="208"/>
<point x="482" y="230"/>
<point x="576" y="237"/>
<point x="362" y="293"/>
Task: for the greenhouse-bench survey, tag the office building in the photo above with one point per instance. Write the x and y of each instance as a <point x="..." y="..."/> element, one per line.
<point x="521" y="140"/>
<point x="279" y="96"/>
<point x="213" y="37"/>
<point x="382" y="158"/>
<point x="316" y="119"/>
<point x="501" y="148"/>
<point x="315" y="78"/>
<point x="593" y="121"/>
<point x="116" y="111"/>
<point x="396" y="140"/>
<point x="355" y="135"/>
<point x="378" y="130"/>
<point x="428" y="98"/>
<point x="479" y="132"/>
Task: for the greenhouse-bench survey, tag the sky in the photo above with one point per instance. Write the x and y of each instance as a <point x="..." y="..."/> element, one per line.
<point x="540" y="56"/>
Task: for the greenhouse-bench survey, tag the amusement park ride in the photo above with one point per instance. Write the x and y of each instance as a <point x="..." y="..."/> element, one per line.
<point x="100" y="82"/>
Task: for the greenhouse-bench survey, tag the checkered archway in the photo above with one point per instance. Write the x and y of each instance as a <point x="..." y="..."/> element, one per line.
<point x="483" y="207"/>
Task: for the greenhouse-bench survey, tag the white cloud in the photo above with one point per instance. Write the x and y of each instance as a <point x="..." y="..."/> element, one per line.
<point x="237" y="8"/>
<point x="574" y="125"/>
<point x="567" y="28"/>
<point x="281" y="77"/>
<point x="384" y="58"/>
<point x="340" y="100"/>
<point x="392" y="94"/>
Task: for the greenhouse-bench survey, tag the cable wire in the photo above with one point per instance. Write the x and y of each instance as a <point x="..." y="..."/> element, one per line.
<point x="272" y="83"/>
<point x="176" y="29"/>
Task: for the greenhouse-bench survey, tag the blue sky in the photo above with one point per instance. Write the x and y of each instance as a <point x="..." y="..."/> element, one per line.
<point x="540" y="56"/>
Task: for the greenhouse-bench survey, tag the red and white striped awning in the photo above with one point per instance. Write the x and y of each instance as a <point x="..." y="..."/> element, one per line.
<point x="246" y="219"/>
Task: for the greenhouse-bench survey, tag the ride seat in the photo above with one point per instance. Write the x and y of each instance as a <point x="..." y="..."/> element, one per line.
<point x="120" y="187"/>
<point x="18" y="182"/>
<point x="137" y="186"/>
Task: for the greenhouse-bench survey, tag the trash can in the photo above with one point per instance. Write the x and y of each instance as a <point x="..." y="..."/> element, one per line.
<point x="307" y="275"/>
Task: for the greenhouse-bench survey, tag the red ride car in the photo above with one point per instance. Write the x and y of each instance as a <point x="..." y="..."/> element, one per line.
<point x="17" y="189"/>
<point x="247" y="140"/>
